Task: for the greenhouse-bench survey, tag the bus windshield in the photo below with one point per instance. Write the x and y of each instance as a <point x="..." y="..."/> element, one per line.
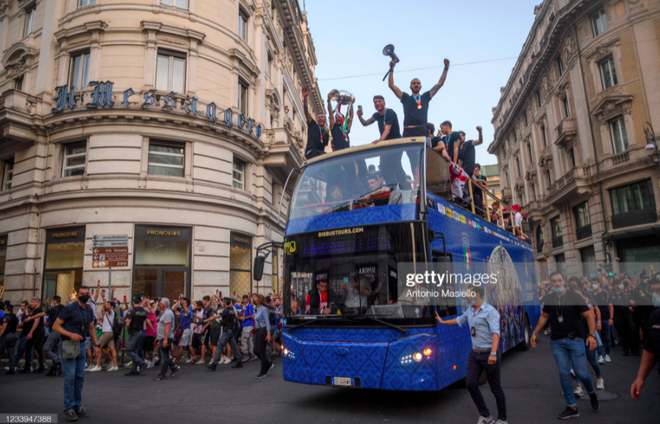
<point x="353" y="273"/>
<point x="376" y="177"/>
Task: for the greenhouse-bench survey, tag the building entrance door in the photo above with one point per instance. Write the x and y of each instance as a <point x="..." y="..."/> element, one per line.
<point x="167" y="282"/>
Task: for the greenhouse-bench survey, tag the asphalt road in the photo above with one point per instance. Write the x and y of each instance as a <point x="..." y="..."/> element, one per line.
<point x="530" y="382"/>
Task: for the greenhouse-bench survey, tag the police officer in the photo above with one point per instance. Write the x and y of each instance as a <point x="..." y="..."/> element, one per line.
<point x="643" y="309"/>
<point x="229" y="325"/>
<point x="622" y="315"/>
<point x="484" y="322"/>
<point x="652" y="346"/>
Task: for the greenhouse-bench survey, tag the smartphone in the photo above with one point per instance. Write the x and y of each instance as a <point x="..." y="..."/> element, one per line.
<point x="103" y="291"/>
<point x="359" y="107"/>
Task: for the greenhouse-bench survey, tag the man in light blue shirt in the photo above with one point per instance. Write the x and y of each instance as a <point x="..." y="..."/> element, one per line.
<point x="484" y="323"/>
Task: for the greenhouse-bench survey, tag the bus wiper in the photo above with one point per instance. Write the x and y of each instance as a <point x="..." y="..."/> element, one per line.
<point x="311" y="321"/>
<point x="373" y="318"/>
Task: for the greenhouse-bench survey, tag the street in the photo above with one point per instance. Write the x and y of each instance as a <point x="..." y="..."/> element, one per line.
<point x="529" y="379"/>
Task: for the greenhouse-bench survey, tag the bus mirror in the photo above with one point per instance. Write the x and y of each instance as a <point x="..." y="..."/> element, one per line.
<point x="259" y="262"/>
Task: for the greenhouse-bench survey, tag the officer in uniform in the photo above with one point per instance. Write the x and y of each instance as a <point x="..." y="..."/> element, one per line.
<point x="652" y="346"/>
<point x="622" y="316"/>
<point x="642" y="296"/>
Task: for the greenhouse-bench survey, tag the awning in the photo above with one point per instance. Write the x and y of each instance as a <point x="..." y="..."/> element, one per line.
<point x="637" y="232"/>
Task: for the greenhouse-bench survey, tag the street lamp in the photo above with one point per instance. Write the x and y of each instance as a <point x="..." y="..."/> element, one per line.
<point x="651" y="144"/>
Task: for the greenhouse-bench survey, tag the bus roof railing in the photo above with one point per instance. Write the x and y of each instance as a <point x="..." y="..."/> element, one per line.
<point x="363" y="147"/>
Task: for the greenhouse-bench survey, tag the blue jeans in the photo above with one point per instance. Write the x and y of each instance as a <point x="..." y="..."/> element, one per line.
<point x="165" y="356"/>
<point x="592" y="357"/>
<point x="73" y="371"/>
<point x="227" y="337"/>
<point x="567" y="352"/>
<point x="605" y="337"/>
<point x="52" y="346"/>
<point x="133" y="345"/>
<point x="20" y="351"/>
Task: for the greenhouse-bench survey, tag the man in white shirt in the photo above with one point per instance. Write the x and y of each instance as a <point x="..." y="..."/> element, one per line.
<point x="356" y="291"/>
<point x="517" y="222"/>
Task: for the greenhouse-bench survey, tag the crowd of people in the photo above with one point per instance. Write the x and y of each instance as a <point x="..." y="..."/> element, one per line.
<point x="76" y="337"/>
<point x="454" y="147"/>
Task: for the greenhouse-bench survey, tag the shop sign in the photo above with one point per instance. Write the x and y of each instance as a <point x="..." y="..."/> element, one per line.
<point x="102" y="97"/>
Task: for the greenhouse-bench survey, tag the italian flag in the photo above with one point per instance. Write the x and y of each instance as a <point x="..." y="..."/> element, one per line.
<point x="466" y="254"/>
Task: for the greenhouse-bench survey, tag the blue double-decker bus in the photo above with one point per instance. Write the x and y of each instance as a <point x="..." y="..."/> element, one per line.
<point x="359" y="219"/>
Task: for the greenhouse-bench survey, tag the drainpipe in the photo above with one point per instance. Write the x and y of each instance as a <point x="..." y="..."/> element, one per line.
<point x="591" y="128"/>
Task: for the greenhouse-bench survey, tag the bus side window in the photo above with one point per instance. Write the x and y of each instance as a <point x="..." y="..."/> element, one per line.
<point x="437" y="175"/>
<point x="442" y="264"/>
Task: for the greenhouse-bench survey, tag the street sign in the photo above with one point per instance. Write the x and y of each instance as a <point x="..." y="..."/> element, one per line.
<point x="111" y="257"/>
<point x="105" y="264"/>
<point x="110" y="237"/>
<point x="98" y="250"/>
<point x="121" y="243"/>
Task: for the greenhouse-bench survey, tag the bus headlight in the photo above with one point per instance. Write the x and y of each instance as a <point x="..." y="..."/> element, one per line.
<point x="417" y="356"/>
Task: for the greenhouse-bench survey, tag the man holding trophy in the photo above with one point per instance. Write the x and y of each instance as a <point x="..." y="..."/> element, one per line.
<point x="339" y="125"/>
<point x="317" y="137"/>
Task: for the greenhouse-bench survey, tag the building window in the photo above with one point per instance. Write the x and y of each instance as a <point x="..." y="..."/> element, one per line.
<point x="555" y="224"/>
<point x="238" y="174"/>
<point x="633" y="204"/>
<point x="533" y="192"/>
<point x="506" y="177"/>
<point x="166" y="158"/>
<point x="8" y="174"/>
<point x="548" y="179"/>
<point x="30" y="15"/>
<point x="518" y="166"/>
<point x="618" y="135"/>
<point x="560" y="66"/>
<point x="63" y="264"/>
<point x="529" y="152"/>
<point x="599" y="22"/>
<point x="539" y="239"/>
<point x="242" y="24"/>
<point x="79" y="71"/>
<point x="85" y="3"/>
<point x="240" y="264"/>
<point x="567" y="107"/>
<point x="545" y="137"/>
<point x="179" y="4"/>
<point x="608" y="73"/>
<point x="171" y="71"/>
<point x="525" y="120"/>
<point x="75" y="157"/>
<point x="270" y="65"/>
<point x="589" y="264"/>
<point x="242" y="96"/>
<point x="3" y="259"/>
<point x="538" y="97"/>
<point x="571" y="155"/>
<point x="582" y="221"/>
<point x="18" y="83"/>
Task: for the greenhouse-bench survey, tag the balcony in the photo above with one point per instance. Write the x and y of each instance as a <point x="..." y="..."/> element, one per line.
<point x="566" y="132"/>
<point x="282" y="150"/>
<point x="571" y="184"/>
<point x="17" y="111"/>
<point x="506" y="195"/>
<point x="636" y="217"/>
<point x="583" y="232"/>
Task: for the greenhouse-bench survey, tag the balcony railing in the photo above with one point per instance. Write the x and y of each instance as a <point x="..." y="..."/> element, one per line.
<point x="557" y="241"/>
<point x="583" y="232"/>
<point x="628" y="219"/>
<point x="621" y="158"/>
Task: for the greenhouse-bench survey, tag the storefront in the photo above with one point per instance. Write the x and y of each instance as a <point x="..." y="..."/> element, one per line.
<point x="240" y="264"/>
<point x="639" y="253"/>
<point x="161" y="261"/>
<point x="63" y="262"/>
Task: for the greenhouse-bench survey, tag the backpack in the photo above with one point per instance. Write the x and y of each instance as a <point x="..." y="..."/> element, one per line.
<point x="116" y="326"/>
<point x="271" y="317"/>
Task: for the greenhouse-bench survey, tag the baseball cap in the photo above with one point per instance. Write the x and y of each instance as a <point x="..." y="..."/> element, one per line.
<point x="137" y="299"/>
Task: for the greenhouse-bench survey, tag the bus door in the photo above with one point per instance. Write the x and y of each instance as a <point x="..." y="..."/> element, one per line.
<point x="444" y="267"/>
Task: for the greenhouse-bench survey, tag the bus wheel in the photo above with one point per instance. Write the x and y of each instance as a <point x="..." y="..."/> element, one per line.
<point x="525" y="344"/>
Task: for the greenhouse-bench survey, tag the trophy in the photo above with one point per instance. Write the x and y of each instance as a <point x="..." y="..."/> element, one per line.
<point x="389" y="51"/>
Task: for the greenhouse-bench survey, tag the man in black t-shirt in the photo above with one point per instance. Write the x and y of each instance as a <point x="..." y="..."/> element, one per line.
<point x="388" y="126"/>
<point x="449" y="141"/>
<point x="338" y="128"/>
<point x="135" y="320"/>
<point x="52" y="344"/>
<point x="317" y="136"/>
<point x="564" y="310"/>
<point x="466" y="152"/>
<point x="8" y="331"/>
<point x="651" y="352"/>
<point x="606" y="313"/>
<point x="32" y="336"/>
<point x="415" y="106"/>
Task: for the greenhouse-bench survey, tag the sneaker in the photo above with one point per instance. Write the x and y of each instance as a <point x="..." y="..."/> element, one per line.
<point x="572" y="373"/>
<point x="486" y="420"/>
<point x="212" y="366"/>
<point x="271" y="366"/>
<point x="200" y="362"/>
<point x="262" y="375"/>
<point x="115" y="368"/>
<point x="578" y="391"/>
<point x="190" y="360"/>
<point x="174" y="369"/>
<point x="140" y="367"/>
<point x="225" y="361"/>
<point x="70" y="415"/>
<point x="608" y="359"/>
<point x="569" y="413"/>
<point x="601" y="360"/>
<point x="252" y="357"/>
<point x="94" y="369"/>
<point x="87" y="367"/>
<point x="130" y="364"/>
<point x="160" y="377"/>
<point x="81" y="412"/>
<point x="600" y="384"/>
<point x="595" y="403"/>
<point x="150" y="364"/>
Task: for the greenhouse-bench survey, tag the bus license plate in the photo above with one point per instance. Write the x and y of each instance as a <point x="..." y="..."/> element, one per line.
<point x="342" y="381"/>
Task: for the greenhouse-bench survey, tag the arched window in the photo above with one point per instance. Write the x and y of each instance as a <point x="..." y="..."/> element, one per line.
<point x="539" y="239"/>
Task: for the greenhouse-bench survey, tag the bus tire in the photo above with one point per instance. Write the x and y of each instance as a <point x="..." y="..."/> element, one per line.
<point x="526" y="344"/>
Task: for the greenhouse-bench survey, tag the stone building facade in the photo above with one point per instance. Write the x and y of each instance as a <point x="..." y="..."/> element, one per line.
<point x="570" y="134"/>
<point x="174" y="122"/>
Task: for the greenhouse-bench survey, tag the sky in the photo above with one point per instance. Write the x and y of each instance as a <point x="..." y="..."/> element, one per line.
<point x="349" y="37"/>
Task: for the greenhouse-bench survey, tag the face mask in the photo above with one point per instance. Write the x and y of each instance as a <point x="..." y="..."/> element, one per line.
<point x="595" y="286"/>
<point x="558" y="289"/>
<point x="472" y="302"/>
<point x="620" y="286"/>
<point x="656" y="299"/>
<point x="84" y="298"/>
